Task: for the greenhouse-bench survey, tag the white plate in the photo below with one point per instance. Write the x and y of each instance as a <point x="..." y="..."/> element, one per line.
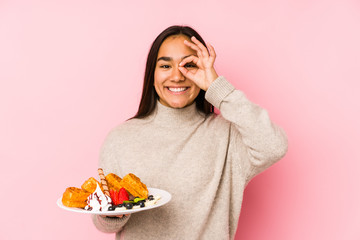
<point x="165" y="198"/>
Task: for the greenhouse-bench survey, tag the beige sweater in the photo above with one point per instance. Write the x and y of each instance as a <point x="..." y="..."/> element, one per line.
<point x="205" y="162"/>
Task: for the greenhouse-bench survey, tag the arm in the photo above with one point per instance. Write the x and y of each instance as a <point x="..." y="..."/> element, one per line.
<point x="109" y="224"/>
<point x="251" y="128"/>
<point x="107" y="161"/>
<point x="264" y="142"/>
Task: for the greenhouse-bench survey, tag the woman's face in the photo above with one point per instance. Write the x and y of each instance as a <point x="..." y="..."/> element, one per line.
<point x="173" y="88"/>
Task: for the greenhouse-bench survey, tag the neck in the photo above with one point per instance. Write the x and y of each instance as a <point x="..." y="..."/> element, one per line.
<point x="176" y="117"/>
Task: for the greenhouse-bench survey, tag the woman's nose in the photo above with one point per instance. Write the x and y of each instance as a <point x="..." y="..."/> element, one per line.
<point x="177" y="76"/>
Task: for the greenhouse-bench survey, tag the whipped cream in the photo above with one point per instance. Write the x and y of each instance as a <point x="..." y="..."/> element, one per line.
<point x="98" y="201"/>
<point x="152" y="202"/>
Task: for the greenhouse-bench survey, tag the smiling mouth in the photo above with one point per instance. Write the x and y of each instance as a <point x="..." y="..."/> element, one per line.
<point x="178" y="89"/>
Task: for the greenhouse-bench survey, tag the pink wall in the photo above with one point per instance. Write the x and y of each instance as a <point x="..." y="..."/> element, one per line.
<point x="71" y="70"/>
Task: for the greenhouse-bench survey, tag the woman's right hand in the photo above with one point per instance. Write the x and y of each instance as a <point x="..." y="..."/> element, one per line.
<point x="117" y="216"/>
<point x="205" y="73"/>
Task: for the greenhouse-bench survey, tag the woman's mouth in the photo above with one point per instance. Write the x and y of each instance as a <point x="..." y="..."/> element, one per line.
<point x="177" y="89"/>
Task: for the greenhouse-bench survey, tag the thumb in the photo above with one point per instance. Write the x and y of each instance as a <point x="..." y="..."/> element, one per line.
<point x="187" y="74"/>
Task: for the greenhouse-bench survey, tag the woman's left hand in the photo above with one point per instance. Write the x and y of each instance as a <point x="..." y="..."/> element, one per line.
<point x="205" y="73"/>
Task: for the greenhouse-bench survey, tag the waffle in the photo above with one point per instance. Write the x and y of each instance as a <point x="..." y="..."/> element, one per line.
<point x="134" y="186"/>
<point x="75" y="197"/>
<point x="90" y="185"/>
<point x="113" y="181"/>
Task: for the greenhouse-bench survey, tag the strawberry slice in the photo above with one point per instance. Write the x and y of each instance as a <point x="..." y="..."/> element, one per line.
<point x="118" y="197"/>
<point x="113" y="196"/>
<point x="122" y="196"/>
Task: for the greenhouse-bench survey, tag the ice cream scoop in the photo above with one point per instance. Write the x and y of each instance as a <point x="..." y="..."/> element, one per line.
<point x="98" y="201"/>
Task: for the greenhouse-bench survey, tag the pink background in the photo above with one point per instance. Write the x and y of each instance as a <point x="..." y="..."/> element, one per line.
<point x="72" y="70"/>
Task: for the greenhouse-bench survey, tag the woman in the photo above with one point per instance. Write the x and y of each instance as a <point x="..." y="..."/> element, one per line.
<point x="175" y="142"/>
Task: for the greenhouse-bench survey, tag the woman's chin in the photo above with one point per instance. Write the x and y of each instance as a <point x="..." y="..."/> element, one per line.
<point x="176" y="104"/>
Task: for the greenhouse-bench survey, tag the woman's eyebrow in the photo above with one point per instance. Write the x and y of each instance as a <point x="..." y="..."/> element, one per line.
<point x="168" y="59"/>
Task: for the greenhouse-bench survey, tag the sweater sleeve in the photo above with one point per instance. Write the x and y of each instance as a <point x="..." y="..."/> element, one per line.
<point x="263" y="141"/>
<point x="109" y="225"/>
<point x="107" y="161"/>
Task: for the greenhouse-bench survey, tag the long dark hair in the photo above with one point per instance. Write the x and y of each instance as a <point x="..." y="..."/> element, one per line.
<point x="149" y="96"/>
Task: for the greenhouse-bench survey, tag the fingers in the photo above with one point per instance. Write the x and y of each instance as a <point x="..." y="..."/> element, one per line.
<point x="117" y="216"/>
<point x="212" y="52"/>
<point x="201" y="50"/>
<point x="204" y="51"/>
<point x="191" y="58"/>
<point x="197" y="46"/>
<point x="194" y="47"/>
<point x="188" y="74"/>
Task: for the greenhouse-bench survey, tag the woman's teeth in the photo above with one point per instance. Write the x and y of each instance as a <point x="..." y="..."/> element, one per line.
<point x="177" y="89"/>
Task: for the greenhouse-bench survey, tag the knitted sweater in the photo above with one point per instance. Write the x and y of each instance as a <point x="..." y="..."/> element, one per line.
<point x="205" y="162"/>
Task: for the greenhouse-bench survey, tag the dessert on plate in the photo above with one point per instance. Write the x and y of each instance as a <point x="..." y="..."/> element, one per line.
<point x="111" y="193"/>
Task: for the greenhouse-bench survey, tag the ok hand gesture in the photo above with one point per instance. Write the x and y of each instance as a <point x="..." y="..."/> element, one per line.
<point x="205" y="73"/>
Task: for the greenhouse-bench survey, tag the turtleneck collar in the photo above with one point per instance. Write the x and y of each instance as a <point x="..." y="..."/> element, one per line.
<point x="176" y="117"/>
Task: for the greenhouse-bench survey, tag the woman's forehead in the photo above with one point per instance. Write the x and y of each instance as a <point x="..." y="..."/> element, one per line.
<point x="174" y="47"/>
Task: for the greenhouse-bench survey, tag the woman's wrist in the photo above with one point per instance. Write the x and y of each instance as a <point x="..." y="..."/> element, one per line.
<point x="218" y="90"/>
<point x="212" y="77"/>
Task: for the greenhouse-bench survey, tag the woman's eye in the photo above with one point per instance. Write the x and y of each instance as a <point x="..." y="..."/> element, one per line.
<point x="164" y="66"/>
<point x="190" y="65"/>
